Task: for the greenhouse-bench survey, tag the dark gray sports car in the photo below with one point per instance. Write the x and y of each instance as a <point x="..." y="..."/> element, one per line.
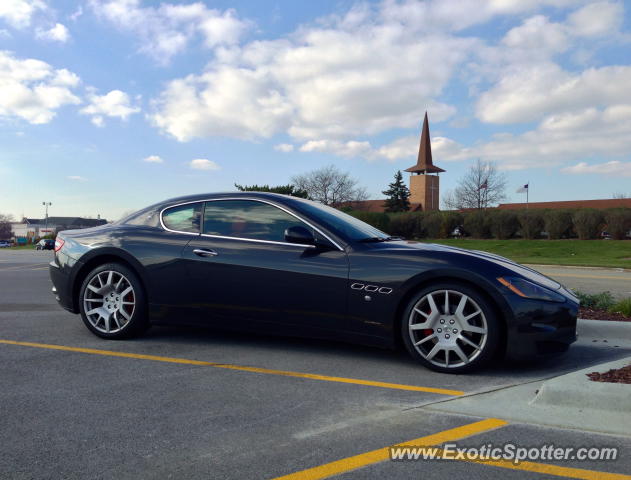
<point x="295" y="267"/>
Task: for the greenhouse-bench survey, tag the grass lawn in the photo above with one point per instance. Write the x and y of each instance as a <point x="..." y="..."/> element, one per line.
<point x="584" y="253"/>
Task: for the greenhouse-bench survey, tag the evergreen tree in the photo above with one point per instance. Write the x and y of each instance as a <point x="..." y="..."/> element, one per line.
<point x="398" y="195"/>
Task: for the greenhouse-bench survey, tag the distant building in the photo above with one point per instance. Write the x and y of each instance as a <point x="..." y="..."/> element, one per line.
<point x="424" y="181"/>
<point x="606" y="203"/>
<point x="30" y="228"/>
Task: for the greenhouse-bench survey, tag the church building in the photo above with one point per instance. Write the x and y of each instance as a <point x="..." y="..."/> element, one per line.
<point x="424" y="181"/>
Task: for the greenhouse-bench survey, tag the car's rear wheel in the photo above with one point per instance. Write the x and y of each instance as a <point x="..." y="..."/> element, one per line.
<point x="112" y="302"/>
<point x="450" y="328"/>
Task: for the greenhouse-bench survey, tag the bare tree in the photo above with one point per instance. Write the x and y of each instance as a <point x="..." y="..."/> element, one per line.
<point x="483" y="185"/>
<point x="6" y="231"/>
<point x="619" y="196"/>
<point x="330" y="186"/>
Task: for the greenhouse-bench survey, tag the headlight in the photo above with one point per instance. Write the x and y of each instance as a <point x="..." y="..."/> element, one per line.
<point x="527" y="289"/>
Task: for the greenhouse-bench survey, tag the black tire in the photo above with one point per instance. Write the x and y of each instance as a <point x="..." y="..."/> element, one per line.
<point x="138" y="322"/>
<point x="479" y="357"/>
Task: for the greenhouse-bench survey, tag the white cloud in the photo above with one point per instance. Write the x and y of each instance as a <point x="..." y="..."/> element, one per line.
<point x="230" y="102"/>
<point x="166" y="30"/>
<point x="66" y="78"/>
<point x="58" y="33"/>
<point x="77" y="178"/>
<point x="332" y="84"/>
<point x="74" y="16"/>
<point x="33" y="90"/>
<point x="613" y="168"/>
<point x="455" y="15"/>
<point x="115" y="104"/>
<point x="204" y="164"/>
<point x="538" y="35"/>
<point x="406" y="148"/>
<point x="400" y="148"/>
<point x="153" y="159"/>
<point x="529" y="93"/>
<point x="98" y="121"/>
<point x="284" y="147"/>
<point x="557" y="139"/>
<point x="349" y="149"/>
<point x="597" y="19"/>
<point x="359" y="74"/>
<point x="18" y="13"/>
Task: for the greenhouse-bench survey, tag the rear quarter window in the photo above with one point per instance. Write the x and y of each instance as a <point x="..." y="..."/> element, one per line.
<point x="145" y="218"/>
<point x="183" y="218"/>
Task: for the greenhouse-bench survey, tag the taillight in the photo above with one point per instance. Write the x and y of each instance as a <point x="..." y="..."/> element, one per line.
<point x="59" y="243"/>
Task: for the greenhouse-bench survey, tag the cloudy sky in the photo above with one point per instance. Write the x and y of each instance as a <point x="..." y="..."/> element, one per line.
<point x="109" y="105"/>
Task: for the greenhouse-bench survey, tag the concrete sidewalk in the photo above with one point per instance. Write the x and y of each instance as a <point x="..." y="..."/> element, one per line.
<point x="570" y="400"/>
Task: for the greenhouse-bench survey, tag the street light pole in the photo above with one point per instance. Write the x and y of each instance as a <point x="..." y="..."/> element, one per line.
<point x="46" y="204"/>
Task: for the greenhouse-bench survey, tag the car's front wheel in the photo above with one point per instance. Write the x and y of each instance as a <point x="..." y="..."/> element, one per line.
<point x="450" y="328"/>
<point x="112" y="302"/>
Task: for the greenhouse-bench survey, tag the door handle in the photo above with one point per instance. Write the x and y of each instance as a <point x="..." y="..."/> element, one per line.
<point x="205" y="252"/>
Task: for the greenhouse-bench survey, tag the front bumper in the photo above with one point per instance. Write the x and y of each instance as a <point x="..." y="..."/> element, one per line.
<point x="541" y="329"/>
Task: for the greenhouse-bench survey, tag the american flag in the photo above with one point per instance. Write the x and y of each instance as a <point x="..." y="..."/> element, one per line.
<point x="523" y="189"/>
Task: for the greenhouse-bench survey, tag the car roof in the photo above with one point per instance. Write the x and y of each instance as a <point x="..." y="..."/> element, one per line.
<point x="202" y="196"/>
<point x="206" y="196"/>
<point x="284" y="199"/>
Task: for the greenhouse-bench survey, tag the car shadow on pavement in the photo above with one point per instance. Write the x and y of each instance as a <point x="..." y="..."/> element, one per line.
<point x="580" y="355"/>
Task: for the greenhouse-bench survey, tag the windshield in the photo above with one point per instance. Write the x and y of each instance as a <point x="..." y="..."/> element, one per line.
<point x="341" y="223"/>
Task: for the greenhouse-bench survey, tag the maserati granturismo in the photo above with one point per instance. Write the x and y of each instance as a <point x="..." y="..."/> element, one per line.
<point x="289" y="266"/>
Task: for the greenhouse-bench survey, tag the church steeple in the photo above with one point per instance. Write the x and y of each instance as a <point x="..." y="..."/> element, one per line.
<point x="425" y="188"/>
<point x="424" y="164"/>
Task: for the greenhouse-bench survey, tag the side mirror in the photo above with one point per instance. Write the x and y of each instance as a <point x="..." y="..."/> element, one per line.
<point x="298" y="234"/>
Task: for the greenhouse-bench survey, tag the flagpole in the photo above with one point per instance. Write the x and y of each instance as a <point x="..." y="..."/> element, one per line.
<point x="527" y="194"/>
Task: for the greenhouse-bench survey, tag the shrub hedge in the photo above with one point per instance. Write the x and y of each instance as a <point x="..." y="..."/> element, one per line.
<point x="584" y="223"/>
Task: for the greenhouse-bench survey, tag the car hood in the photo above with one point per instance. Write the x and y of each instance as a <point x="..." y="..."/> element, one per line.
<point x="521" y="270"/>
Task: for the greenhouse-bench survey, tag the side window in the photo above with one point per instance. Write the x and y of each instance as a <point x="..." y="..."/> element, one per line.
<point x="146" y="218"/>
<point x="185" y="218"/>
<point x="248" y="219"/>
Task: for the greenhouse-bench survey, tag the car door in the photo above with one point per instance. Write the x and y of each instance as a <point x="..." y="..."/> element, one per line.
<point x="243" y="272"/>
<point x="159" y="249"/>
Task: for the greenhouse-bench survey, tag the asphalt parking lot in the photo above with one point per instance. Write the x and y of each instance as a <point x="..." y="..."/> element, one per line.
<point x="192" y="403"/>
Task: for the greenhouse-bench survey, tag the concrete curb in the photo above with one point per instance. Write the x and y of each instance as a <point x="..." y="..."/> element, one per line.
<point x="576" y="390"/>
<point x="570" y="401"/>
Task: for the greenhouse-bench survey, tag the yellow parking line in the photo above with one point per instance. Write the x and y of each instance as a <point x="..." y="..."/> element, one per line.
<point x="383" y="454"/>
<point x="547" y="469"/>
<point x="579" y="275"/>
<point x="311" y="376"/>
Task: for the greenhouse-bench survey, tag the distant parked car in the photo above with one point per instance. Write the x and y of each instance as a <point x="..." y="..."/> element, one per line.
<point x="459" y="231"/>
<point x="605" y="235"/>
<point x="4" y="244"/>
<point x="45" y="244"/>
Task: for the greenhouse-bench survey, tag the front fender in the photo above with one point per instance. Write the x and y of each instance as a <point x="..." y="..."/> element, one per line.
<point x="474" y="280"/>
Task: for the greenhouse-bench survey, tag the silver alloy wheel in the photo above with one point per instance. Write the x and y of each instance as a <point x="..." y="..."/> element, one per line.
<point x="109" y="301"/>
<point x="448" y="328"/>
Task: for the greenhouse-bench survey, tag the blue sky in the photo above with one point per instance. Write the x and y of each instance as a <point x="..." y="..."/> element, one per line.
<point x="110" y="105"/>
